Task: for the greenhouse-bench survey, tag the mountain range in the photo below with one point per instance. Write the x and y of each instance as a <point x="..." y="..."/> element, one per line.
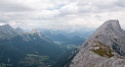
<point x="47" y="48"/>
<point x="69" y="38"/>
<point x="32" y="49"/>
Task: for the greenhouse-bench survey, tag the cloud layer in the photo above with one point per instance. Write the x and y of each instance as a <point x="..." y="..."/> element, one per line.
<point x="59" y="14"/>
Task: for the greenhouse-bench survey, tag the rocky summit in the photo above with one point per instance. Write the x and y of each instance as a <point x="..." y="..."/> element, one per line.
<point x="105" y="48"/>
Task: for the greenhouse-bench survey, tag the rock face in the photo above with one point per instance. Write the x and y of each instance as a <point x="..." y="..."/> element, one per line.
<point x="105" y="48"/>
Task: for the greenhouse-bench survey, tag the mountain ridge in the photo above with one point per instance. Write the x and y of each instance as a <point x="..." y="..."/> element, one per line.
<point x="105" y="48"/>
<point x="7" y="32"/>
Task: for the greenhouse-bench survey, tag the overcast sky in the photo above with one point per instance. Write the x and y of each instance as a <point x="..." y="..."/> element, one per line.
<point x="30" y="14"/>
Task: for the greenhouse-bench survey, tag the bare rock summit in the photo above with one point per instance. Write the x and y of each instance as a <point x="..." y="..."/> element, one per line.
<point x="105" y="48"/>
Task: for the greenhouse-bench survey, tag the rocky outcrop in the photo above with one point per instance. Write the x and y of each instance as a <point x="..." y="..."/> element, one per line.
<point x="105" y="48"/>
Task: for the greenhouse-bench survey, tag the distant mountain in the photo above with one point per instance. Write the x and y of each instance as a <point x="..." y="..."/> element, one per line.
<point x="19" y="31"/>
<point x="31" y="49"/>
<point x="105" y="48"/>
<point x="6" y="32"/>
<point x="64" y="37"/>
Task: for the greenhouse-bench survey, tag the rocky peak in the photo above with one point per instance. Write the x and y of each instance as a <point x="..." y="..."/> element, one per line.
<point x="109" y="33"/>
<point x="34" y="34"/>
<point x="105" y="48"/>
<point x="6" y="31"/>
<point x="7" y="26"/>
<point x="111" y="25"/>
<point x="35" y="31"/>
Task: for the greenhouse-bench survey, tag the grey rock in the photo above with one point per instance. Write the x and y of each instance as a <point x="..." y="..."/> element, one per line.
<point x="105" y="48"/>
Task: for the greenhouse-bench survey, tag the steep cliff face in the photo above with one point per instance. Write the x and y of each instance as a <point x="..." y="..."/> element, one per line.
<point x="105" y="48"/>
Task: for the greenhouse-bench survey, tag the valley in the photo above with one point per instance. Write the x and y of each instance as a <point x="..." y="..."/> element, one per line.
<point x="36" y="48"/>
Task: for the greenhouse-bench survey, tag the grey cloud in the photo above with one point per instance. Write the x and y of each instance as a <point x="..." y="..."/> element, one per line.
<point x="63" y="16"/>
<point x="120" y="3"/>
<point x="100" y="6"/>
<point x="8" y="16"/>
<point x="3" y="21"/>
<point x="6" y="6"/>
